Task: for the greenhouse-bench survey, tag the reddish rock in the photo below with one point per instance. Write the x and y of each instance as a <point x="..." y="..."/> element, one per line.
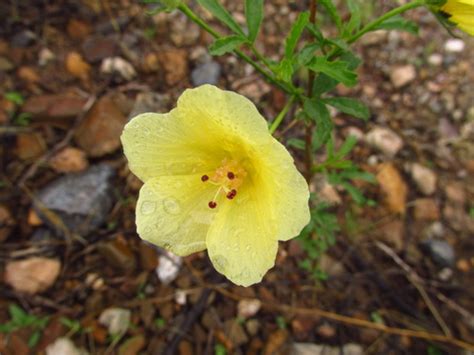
<point x="57" y="107"/>
<point x="175" y="64"/>
<point x="99" y="132"/>
<point x="426" y="209"/>
<point x="29" y="145"/>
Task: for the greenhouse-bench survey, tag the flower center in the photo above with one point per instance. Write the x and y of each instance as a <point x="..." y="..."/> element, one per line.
<point x="227" y="178"/>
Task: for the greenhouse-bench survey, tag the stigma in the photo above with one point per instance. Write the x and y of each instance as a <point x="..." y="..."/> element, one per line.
<point x="227" y="178"/>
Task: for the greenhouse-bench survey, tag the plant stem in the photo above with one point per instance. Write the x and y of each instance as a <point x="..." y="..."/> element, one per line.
<point x="310" y="125"/>
<point x="288" y="88"/>
<point x="276" y="123"/>
<point x="397" y="11"/>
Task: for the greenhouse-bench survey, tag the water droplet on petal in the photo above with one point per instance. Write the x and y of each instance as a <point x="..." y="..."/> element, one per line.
<point x="167" y="246"/>
<point x="171" y="206"/>
<point x="220" y="263"/>
<point x="148" y="207"/>
<point x="247" y="247"/>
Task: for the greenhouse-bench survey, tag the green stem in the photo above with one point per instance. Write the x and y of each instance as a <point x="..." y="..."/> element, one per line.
<point x="261" y="57"/>
<point x="193" y="17"/>
<point x="397" y="11"/>
<point x="276" y="123"/>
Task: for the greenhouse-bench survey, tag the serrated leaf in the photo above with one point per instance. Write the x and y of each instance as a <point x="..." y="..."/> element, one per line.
<point x="318" y="113"/>
<point x="296" y="143"/>
<point x="295" y="33"/>
<point x="254" y="16"/>
<point x="332" y="11"/>
<point x="398" y="23"/>
<point x="350" y="106"/>
<point x="215" y="8"/>
<point x="226" y="44"/>
<point x="337" y="70"/>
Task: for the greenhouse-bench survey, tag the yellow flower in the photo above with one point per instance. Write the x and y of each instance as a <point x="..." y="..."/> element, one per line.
<point x="215" y="179"/>
<point x="461" y="13"/>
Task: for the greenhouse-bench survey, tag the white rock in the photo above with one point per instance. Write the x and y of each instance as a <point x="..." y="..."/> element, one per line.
<point x="424" y="178"/>
<point x="401" y="76"/>
<point x="45" y="56"/>
<point x="385" y="140"/>
<point x="454" y="45"/>
<point x="116" y="320"/>
<point x="32" y="275"/>
<point x="320" y="349"/>
<point x="435" y="59"/>
<point x="248" y="307"/>
<point x="118" y="65"/>
<point x="180" y="297"/>
<point x="64" y="346"/>
<point x="168" y="268"/>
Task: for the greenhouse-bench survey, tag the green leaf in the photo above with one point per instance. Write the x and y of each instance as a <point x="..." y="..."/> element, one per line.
<point x="305" y="55"/>
<point x="346" y="147"/>
<point x="215" y="8"/>
<point x="350" y="106"/>
<point x="17" y="314"/>
<point x="398" y="23"/>
<point x="226" y="44"/>
<point x="356" y="17"/>
<point x="254" y="16"/>
<point x="318" y="112"/>
<point x="322" y="84"/>
<point x="355" y="193"/>
<point x="34" y="339"/>
<point x="332" y="11"/>
<point x="285" y="70"/>
<point x="295" y="33"/>
<point x="296" y="143"/>
<point x="337" y="70"/>
<point x="15" y="97"/>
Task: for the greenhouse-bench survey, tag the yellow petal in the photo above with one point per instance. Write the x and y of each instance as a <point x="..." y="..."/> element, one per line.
<point x="161" y="145"/>
<point x="241" y="241"/>
<point x="288" y="192"/>
<point x="222" y="117"/>
<point x="172" y="213"/>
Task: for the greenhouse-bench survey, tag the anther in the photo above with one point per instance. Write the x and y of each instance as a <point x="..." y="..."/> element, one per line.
<point x="212" y="204"/>
<point x="231" y="175"/>
<point x="231" y="194"/>
<point x="204" y="178"/>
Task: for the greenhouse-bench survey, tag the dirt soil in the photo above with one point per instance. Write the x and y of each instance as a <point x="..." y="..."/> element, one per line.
<point x="72" y="73"/>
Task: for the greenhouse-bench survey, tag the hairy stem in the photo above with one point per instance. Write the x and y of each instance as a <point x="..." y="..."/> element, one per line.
<point x="288" y="88"/>
<point x="397" y="11"/>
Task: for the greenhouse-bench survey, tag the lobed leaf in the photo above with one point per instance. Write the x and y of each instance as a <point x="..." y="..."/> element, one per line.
<point x="226" y="44"/>
<point x="295" y="33"/>
<point x="350" y="106"/>
<point x="318" y="112"/>
<point x="215" y="8"/>
<point x="338" y="70"/>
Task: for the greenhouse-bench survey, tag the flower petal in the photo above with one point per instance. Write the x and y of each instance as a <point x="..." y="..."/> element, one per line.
<point x="172" y="212"/>
<point x="221" y="114"/>
<point x="241" y="243"/>
<point x="161" y="145"/>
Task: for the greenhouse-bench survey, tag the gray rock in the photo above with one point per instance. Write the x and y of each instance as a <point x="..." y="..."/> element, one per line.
<point x="23" y="39"/>
<point x="440" y="251"/>
<point x="81" y="200"/>
<point x="150" y="102"/>
<point x="207" y="73"/>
